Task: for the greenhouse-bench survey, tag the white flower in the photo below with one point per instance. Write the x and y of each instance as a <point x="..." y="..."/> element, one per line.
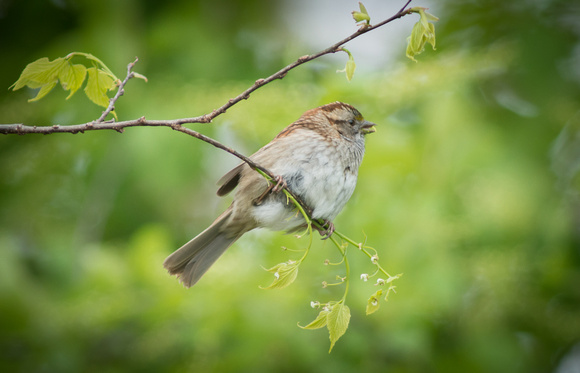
<point x="364" y="277"/>
<point x="380" y="281"/>
<point x="315" y="304"/>
<point x="375" y="259"/>
<point x="277" y="275"/>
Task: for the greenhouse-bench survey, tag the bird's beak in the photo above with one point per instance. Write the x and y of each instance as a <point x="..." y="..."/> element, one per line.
<point x="368" y="127"/>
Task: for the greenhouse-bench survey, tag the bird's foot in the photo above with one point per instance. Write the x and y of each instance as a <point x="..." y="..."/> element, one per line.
<point x="326" y="228"/>
<point x="272" y="188"/>
<point x="280" y="184"/>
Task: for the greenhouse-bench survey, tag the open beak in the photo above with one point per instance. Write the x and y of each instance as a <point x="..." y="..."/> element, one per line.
<point x="368" y="127"/>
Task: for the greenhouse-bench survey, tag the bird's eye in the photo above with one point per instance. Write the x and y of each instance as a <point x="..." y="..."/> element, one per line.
<point x="351" y="121"/>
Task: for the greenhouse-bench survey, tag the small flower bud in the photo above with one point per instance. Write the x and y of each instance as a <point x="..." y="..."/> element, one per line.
<point x="315" y="304"/>
<point x="380" y="281"/>
<point x="374" y="259"/>
<point x="364" y="277"/>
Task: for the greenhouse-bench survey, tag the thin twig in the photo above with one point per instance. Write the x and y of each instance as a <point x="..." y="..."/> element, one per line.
<point x="120" y="91"/>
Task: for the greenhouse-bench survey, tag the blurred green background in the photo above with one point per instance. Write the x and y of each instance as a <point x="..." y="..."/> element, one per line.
<point x="469" y="187"/>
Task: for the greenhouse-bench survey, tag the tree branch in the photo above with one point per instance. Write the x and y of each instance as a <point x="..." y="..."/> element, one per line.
<point x="120" y="92"/>
<point x="177" y="124"/>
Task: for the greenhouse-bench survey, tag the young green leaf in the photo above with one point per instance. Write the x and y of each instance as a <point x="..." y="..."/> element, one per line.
<point x="43" y="91"/>
<point x="72" y="77"/>
<point x="319" y="322"/>
<point x="350" y="65"/>
<point x="350" y="68"/>
<point x="103" y="67"/>
<point x="98" y="84"/>
<point x="362" y="8"/>
<point x="140" y="76"/>
<point x="337" y="322"/>
<point x="284" y="273"/>
<point x="430" y="35"/>
<point x="361" y="16"/>
<point x="40" y="72"/>
<point x="373" y="302"/>
<point x="423" y="32"/>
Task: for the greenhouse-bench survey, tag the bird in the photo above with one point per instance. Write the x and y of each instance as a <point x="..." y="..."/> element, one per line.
<point x="317" y="157"/>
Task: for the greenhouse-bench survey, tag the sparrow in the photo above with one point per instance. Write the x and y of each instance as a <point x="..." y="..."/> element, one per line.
<point x="317" y="157"/>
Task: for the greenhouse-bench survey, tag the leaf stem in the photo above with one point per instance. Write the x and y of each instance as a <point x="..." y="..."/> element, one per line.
<point x="364" y="249"/>
<point x="346" y="266"/>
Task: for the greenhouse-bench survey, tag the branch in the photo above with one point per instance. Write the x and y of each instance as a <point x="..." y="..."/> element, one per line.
<point x="120" y="92"/>
<point x="21" y="129"/>
<point x="177" y="124"/>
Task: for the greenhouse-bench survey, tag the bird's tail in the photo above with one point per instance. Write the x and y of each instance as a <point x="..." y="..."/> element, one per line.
<point x="193" y="259"/>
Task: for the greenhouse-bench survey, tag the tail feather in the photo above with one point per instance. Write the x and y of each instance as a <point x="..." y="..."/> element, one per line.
<point x="192" y="260"/>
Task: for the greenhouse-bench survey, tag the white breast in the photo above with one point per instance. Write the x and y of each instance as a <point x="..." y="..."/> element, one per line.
<point x="322" y="177"/>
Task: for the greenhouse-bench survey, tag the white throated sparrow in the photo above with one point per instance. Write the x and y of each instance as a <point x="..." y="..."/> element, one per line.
<point x="317" y="156"/>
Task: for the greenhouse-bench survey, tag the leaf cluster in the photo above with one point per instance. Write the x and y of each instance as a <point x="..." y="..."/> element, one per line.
<point x="423" y="33"/>
<point x="335" y="316"/>
<point x="45" y="74"/>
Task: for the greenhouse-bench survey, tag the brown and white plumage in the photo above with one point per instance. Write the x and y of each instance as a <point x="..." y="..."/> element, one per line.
<point x="318" y="157"/>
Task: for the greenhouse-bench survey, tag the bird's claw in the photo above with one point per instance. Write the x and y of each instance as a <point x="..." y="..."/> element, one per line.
<point x="326" y="229"/>
<point x="280" y="184"/>
<point x="272" y="188"/>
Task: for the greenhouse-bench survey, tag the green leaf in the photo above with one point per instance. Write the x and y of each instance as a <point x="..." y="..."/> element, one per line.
<point x="361" y="16"/>
<point x="103" y="67"/>
<point x="40" y="72"/>
<point x="337" y="322"/>
<point x="417" y="41"/>
<point x="284" y="273"/>
<point x="431" y="35"/>
<point x="350" y="68"/>
<point x="424" y="21"/>
<point x="430" y="17"/>
<point x="362" y="8"/>
<point x="99" y="82"/>
<point x="72" y="77"/>
<point x="44" y="90"/>
<point x="423" y="32"/>
<point x="319" y="321"/>
<point x="350" y="65"/>
<point x="140" y="76"/>
<point x="373" y="302"/>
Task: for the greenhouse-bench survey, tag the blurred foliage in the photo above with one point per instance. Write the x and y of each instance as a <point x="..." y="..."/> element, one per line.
<point x="470" y="187"/>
